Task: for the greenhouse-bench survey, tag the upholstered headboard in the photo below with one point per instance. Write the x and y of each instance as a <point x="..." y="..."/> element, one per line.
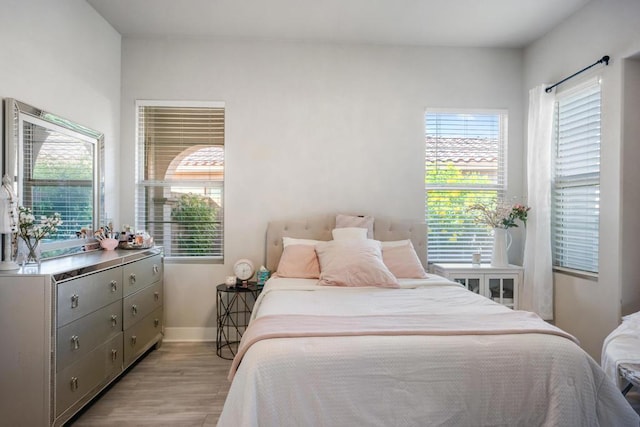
<point x="319" y="228"/>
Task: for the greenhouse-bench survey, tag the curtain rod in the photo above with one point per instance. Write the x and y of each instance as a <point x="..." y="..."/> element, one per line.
<point x="604" y="59"/>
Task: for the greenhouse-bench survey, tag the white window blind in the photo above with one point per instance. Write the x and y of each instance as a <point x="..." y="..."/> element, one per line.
<point x="576" y="189"/>
<point x="464" y="164"/>
<point x="179" y="193"/>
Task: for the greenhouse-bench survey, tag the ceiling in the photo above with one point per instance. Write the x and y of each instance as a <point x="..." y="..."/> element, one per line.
<point x="472" y="23"/>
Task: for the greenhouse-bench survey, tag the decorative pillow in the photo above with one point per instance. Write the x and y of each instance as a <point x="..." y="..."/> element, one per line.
<point x="353" y="262"/>
<point x="363" y="221"/>
<point x="349" y="233"/>
<point x="286" y="241"/>
<point x="401" y="259"/>
<point x="299" y="261"/>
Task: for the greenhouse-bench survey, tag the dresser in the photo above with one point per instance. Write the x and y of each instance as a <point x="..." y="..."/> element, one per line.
<point x="71" y="326"/>
<point x="501" y="284"/>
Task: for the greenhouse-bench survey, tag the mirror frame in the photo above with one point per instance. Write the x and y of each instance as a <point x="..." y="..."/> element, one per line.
<point x="16" y="113"/>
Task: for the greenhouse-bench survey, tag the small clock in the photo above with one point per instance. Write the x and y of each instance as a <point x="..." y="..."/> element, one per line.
<point x="244" y="270"/>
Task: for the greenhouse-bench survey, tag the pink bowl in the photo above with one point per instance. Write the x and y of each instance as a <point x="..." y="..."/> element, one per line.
<point x="109" y="244"/>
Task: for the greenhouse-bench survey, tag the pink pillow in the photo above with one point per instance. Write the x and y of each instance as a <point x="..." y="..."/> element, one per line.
<point x="402" y="260"/>
<point x="353" y="262"/>
<point x="299" y="261"/>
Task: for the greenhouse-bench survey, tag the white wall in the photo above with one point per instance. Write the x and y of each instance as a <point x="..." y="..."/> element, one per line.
<point x="311" y="128"/>
<point x="630" y="217"/>
<point x="591" y="309"/>
<point x="61" y="56"/>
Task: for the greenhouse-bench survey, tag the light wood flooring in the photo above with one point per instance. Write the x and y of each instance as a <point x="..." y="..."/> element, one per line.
<point x="180" y="384"/>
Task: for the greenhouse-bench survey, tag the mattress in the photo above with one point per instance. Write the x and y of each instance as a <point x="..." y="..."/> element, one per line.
<point x="461" y="379"/>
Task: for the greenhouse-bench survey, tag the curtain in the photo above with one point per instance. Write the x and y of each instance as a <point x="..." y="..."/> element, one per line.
<point x="537" y="290"/>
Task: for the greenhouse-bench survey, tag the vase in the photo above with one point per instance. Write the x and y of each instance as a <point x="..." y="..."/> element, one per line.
<point x="28" y="251"/>
<point x="501" y="243"/>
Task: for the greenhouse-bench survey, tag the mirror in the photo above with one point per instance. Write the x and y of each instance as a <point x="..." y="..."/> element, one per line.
<point x="56" y="165"/>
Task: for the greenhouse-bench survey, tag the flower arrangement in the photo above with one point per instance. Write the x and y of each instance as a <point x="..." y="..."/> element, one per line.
<point x="501" y="215"/>
<point x="32" y="231"/>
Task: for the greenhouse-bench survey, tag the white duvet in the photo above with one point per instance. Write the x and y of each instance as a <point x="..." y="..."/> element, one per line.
<point x="622" y="345"/>
<point x="477" y="380"/>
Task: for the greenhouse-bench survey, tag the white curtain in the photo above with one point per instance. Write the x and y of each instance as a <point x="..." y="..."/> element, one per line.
<point x="537" y="290"/>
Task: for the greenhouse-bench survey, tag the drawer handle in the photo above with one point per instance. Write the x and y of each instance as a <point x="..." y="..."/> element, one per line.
<point x="114" y="355"/>
<point x="74" y="383"/>
<point x="132" y="278"/>
<point x="156" y="322"/>
<point x="114" y="320"/>
<point x="156" y="269"/>
<point x="156" y="296"/>
<point x="114" y="286"/>
<point x="75" y="340"/>
<point x="133" y="340"/>
<point x="75" y="299"/>
<point x="134" y="310"/>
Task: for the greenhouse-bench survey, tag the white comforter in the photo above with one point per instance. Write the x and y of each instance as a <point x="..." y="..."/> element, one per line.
<point x="621" y="346"/>
<point x="476" y="380"/>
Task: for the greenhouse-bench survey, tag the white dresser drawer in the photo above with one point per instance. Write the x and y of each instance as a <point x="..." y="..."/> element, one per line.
<point x="78" y="338"/>
<point x="140" y="274"/>
<point x="81" y="296"/>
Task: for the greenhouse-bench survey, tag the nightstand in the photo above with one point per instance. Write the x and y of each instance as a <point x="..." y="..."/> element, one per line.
<point x="498" y="283"/>
<point x="233" y="307"/>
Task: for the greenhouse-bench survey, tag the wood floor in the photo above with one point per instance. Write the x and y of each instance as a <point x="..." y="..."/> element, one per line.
<point x="180" y="384"/>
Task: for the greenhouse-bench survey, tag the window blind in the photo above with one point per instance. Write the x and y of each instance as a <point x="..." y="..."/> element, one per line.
<point x="58" y="177"/>
<point x="576" y="189"/>
<point x="464" y="164"/>
<point x="179" y="193"/>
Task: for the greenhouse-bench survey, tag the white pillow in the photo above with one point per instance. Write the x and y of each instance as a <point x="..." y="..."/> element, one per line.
<point x="353" y="262"/>
<point x="347" y="233"/>
<point x="286" y="241"/>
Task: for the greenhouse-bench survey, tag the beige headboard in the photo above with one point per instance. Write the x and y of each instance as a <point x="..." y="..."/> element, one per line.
<point x="319" y="228"/>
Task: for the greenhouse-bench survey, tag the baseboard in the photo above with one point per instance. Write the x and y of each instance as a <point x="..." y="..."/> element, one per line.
<point x="189" y="334"/>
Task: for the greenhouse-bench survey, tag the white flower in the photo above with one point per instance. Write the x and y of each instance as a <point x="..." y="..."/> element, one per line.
<point x="500" y="215"/>
<point x="28" y="229"/>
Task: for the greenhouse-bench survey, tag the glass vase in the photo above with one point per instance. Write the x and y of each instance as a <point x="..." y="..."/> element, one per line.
<point x="28" y="251"/>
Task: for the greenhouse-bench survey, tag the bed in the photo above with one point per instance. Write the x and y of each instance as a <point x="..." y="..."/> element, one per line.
<point x="420" y="351"/>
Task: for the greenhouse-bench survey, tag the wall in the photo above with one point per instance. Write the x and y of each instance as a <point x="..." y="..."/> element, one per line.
<point x="630" y="223"/>
<point x="586" y="308"/>
<point x="65" y="58"/>
<point x="311" y="128"/>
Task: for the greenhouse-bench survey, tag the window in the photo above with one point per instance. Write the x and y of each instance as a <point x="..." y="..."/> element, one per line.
<point x="58" y="177"/>
<point x="576" y="184"/>
<point x="180" y="176"/>
<point x="464" y="164"/>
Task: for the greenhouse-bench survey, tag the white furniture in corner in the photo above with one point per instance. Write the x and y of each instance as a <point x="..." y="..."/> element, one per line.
<point x="498" y="283"/>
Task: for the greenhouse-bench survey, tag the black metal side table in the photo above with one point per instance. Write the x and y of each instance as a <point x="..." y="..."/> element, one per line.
<point x="233" y="306"/>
